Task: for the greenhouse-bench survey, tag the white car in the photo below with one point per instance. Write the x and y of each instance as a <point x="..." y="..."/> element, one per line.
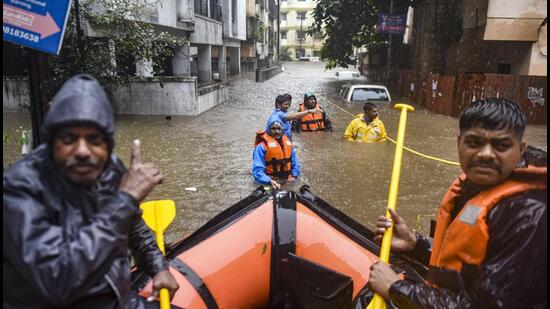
<point x="347" y="75"/>
<point x="361" y="93"/>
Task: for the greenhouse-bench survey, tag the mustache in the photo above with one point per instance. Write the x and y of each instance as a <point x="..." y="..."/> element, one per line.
<point x="491" y="165"/>
<point x="88" y="162"/>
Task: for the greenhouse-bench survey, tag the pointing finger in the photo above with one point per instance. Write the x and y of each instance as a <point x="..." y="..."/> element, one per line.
<point x="136" y="152"/>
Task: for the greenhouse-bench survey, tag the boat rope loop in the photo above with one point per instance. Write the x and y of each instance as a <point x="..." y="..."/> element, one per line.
<point x="406" y="148"/>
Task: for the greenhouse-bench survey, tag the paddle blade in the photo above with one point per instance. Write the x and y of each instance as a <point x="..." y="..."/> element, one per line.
<point x="158" y="214"/>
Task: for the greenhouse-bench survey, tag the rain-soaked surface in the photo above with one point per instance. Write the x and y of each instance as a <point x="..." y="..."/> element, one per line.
<point x="213" y="153"/>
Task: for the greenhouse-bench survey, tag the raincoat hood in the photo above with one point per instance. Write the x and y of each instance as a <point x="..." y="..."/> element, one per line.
<point x="271" y="121"/>
<point x="81" y="100"/>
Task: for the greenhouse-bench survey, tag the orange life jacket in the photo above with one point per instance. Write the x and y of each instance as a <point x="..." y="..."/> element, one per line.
<point x="277" y="157"/>
<point x="312" y="122"/>
<point x="464" y="240"/>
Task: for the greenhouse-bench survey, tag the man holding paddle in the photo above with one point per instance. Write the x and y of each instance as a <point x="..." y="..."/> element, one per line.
<point x="71" y="216"/>
<point x="489" y="249"/>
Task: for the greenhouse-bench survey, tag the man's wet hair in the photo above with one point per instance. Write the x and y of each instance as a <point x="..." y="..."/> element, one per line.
<point x="283" y="98"/>
<point x="369" y="107"/>
<point x="493" y="114"/>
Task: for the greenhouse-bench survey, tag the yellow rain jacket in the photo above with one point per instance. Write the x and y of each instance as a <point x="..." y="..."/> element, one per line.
<point x="359" y="131"/>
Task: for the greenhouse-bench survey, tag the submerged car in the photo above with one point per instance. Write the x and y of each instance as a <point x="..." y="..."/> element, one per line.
<point x="347" y="75"/>
<point x="361" y="93"/>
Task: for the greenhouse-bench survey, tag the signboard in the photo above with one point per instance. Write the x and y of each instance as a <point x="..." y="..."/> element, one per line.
<point x="394" y="24"/>
<point x="37" y="24"/>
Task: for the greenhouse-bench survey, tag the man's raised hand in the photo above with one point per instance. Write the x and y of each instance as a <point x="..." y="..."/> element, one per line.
<point x="140" y="178"/>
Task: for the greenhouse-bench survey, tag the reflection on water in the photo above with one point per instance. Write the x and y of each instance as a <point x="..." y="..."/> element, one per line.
<point x="213" y="152"/>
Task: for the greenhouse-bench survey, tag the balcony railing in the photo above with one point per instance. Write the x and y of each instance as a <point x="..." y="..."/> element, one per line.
<point x="215" y="11"/>
<point x="201" y="8"/>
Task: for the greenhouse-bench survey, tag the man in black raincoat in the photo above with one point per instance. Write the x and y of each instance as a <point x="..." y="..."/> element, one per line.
<point x="490" y="247"/>
<point x="71" y="214"/>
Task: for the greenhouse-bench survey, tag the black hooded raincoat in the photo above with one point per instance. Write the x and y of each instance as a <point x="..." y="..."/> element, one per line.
<point x="65" y="245"/>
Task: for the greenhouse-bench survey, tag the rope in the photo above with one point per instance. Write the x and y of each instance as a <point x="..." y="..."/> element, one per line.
<point x="406" y="148"/>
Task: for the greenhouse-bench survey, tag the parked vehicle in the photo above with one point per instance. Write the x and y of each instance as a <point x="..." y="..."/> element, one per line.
<point x="360" y="93"/>
<point x="347" y="75"/>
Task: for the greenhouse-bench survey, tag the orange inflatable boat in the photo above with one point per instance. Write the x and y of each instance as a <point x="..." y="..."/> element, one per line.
<point x="276" y="250"/>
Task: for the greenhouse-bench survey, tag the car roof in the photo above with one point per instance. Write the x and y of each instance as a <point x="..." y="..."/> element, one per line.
<point x="365" y="86"/>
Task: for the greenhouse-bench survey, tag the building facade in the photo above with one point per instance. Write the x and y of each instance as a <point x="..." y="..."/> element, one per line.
<point x="260" y="48"/>
<point x="480" y="36"/>
<point x="296" y="19"/>
<point x="213" y="30"/>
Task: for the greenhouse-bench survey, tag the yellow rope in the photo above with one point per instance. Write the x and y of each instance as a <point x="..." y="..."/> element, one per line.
<point x="406" y="148"/>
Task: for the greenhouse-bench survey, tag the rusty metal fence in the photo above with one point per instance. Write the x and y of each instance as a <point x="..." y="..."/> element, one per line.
<point x="450" y="95"/>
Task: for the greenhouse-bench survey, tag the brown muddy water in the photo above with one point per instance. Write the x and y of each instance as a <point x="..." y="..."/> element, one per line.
<point x="213" y="153"/>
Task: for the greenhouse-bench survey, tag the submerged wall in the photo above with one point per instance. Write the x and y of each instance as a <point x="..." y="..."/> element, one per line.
<point x="178" y="96"/>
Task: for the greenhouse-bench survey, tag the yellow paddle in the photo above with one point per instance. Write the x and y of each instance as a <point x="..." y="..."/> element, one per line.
<point x="158" y="215"/>
<point x="378" y="301"/>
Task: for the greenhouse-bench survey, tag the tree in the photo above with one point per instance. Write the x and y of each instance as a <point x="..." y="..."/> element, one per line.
<point x="121" y="39"/>
<point x="349" y="24"/>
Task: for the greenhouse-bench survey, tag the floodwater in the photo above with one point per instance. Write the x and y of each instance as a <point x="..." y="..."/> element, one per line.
<point x="212" y="153"/>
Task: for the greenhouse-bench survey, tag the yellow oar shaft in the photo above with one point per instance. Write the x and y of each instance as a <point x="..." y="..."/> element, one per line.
<point x="394" y="185"/>
<point x="164" y="296"/>
<point x="378" y="301"/>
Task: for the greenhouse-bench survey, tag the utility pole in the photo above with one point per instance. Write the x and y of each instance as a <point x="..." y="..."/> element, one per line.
<point x="38" y="82"/>
<point x="389" y="62"/>
<point x="301" y="33"/>
<point x="80" y="36"/>
<point x="278" y="30"/>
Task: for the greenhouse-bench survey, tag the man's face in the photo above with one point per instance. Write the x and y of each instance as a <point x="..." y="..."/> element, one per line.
<point x="284" y="106"/>
<point x="311" y="102"/>
<point x="488" y="157"/>
<point x="371" y="115"/>
<point x="81" y="153"/>
<point x="276" y="131"/>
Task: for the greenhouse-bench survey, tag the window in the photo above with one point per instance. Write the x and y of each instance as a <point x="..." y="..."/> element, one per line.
<point x="300" y="35"/>
<point x="283" y="35"/>
<point x="344" y="92"/>
<point x="301" y="15"/>
<point x="504" y="68"/>
<point x="283" y="16"/>
<point x="364" y="94"/>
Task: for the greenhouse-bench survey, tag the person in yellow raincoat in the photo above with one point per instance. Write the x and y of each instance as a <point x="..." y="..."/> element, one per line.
<point x="366" y="127"/>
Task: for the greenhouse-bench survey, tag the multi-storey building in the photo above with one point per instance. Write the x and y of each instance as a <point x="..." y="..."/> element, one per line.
<point x="214" y="30"/>
<point x="296" y="19"/>
<point x="260" y="47"/>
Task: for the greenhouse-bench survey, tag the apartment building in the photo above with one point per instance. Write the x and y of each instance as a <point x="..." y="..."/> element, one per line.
<point x="296" y="18"/>
<point x="260" y="47"/>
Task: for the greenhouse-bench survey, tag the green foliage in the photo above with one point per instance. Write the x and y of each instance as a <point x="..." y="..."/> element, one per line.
<point x="6" y="137"/>
<point x="121" y="34"/>
<point x="285" y="54"/>
<point x="349" y="24"/>
<point x="260" y="31"/>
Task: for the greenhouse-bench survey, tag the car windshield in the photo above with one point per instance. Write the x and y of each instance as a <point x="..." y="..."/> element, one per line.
<point x="364" y="94"/>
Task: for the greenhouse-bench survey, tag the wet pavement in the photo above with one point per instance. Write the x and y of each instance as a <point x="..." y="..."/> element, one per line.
<point x="212" y="153"/>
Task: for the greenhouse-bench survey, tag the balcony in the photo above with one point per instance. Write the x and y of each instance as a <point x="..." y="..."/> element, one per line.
<point x="215" y="11"/>
<point x="202" y="7"/>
